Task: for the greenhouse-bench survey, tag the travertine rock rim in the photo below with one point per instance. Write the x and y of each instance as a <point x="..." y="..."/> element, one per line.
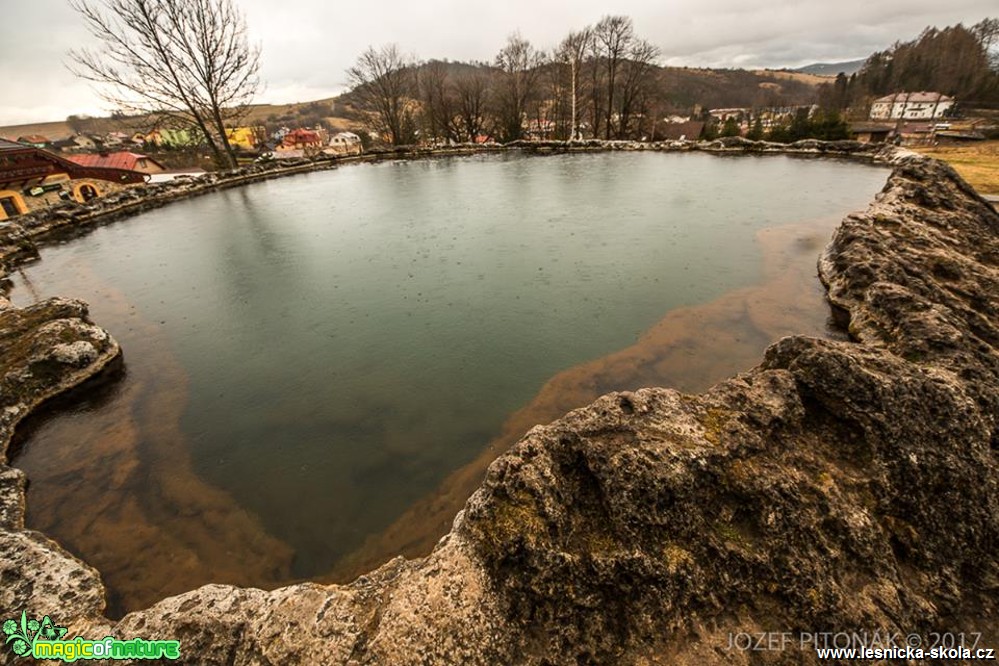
<point x="837" y="487"/>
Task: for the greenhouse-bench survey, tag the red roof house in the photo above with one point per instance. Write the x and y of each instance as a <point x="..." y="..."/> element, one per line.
<point x="301" y="138"/>
<point x="120" y="160"/>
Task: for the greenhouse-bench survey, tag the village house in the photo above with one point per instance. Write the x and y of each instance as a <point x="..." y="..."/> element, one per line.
<point x="173" y="138"/>
<point x="867" y="132"/>
<point x="301" y="139"/>
<point x="34" y="140"/>
<point x="911" y="106"/>
<point x="773" y="116"/>
<point x="31" y="178"/>
<point x="76" y="143"/>
<point x="67" y="145"/>
<point x="246" y="138"/>
<point x="345" y="143"/>
<point x="114" y="139"/>
<point x="721" y="115"/>
<point x="689" y="130"/>
<point x="123" y="160"/>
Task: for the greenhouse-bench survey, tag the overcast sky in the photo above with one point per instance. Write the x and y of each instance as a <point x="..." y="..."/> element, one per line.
<point x="307" y="44"/>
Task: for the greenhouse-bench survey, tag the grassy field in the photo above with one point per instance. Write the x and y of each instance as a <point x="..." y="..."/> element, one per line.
<point x="54" y="130"/>
<point x="977" y="163"/>
<point x="804" y="77"/>
<point x="256" y="115"/>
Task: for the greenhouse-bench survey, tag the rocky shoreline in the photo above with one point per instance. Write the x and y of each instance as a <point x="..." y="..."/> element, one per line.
<point x="838" y="486"/>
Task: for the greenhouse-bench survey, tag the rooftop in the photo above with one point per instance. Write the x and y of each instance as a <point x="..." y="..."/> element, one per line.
<point x="915" y="97"/>
<point x="119" y="160"/>
<point x="10" y="146"/>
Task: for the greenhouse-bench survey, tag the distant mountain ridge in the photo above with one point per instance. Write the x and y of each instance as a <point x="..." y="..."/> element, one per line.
<point x="833" y="68"/>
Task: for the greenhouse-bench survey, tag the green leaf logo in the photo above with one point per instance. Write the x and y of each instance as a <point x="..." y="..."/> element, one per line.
<point x="21" y="635"/>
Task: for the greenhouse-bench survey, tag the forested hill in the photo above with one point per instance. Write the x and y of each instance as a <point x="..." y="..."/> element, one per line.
<point x="678" y="89"/>
<point x="958" y="61"/>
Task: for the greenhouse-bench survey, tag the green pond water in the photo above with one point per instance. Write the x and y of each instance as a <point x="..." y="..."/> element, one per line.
<point x="348" y="338"/>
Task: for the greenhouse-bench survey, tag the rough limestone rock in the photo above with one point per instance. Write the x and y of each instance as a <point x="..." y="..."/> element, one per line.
<point x="839" y="486"/>
<point x="45" y="349"/>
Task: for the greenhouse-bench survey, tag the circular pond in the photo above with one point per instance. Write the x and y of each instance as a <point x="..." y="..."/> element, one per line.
<point x="308" y="357"/>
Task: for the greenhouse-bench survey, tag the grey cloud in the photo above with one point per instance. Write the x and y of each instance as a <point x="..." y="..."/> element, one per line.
<point x="307" y="44"/>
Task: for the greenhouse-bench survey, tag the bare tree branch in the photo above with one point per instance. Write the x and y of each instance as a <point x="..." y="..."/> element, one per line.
<point x="383" y="83"/>
<point x="519" y="65"/>
<point x="186" y="60"/>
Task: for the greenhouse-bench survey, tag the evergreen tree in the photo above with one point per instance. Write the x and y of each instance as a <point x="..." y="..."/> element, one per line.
<point x="955" y="61"/>
<point x="779" y="133"/>
<point x="801" y="126"/>
<point x="730" y="127"/>
<point x="829" y="126"/>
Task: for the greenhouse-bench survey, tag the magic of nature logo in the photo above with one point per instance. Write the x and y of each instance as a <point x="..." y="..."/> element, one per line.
<point x="43" y="639"/>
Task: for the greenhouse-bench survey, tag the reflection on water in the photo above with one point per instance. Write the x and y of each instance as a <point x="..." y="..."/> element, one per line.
<point x="316" y="365"/>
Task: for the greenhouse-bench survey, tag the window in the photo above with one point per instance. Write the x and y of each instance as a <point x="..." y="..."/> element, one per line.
<point x="9" y="206"/>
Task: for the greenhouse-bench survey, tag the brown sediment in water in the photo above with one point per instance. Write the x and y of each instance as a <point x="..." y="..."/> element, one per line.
<point x="132" y="505"/>
<point x="690" y="349"/>
<point x="156" y="529"/>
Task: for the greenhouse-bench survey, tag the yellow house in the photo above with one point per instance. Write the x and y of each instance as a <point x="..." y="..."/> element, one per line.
<point x="31" y="178"/>
<point x="11" y="204"/>
<point x="246" y="138"/>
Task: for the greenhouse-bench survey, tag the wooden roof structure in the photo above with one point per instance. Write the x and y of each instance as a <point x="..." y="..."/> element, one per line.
<point x="123" y="159"/>
<point x="24" y="166"/>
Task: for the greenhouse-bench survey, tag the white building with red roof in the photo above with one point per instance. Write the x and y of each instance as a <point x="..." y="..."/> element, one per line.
<point x="911" y="106"/>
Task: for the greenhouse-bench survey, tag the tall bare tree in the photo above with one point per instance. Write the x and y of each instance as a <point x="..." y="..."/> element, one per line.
<point x="613" y="37"/>
<point x="637" y="80"/>
<point x="572" y="51"/>
<point x="473" y="94"/>
<point x="439" y="112"/>
<point x="188" y="61"/>
<point x="554" y="106"/>
<point x="519" y="65"/>
<point x="383" y="82"/>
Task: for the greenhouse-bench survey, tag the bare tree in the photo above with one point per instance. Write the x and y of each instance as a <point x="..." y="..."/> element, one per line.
<point x="572" y="51"/>
<point x="613" y="36"/>
<point x="472" y="93"/>
<point x="439" y="103"/>
<point x="383" y="82"/>
<point x="637" y="79"/>
<point x="519" y="64"/>
<point x="188" y="61"/>
<point x="553" y="110"/>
